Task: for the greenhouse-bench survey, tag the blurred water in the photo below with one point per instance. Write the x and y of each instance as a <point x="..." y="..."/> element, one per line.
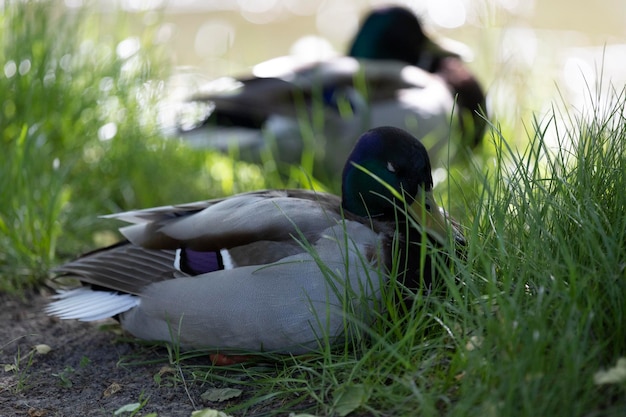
<point x="526" y="53"/>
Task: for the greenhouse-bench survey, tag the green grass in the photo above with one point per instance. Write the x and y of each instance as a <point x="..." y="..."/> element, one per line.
<point x="61" y="89"/>
<point x="535" y="310"/>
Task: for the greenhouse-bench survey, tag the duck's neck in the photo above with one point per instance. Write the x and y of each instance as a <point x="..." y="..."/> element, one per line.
<point x="469" y="96"/>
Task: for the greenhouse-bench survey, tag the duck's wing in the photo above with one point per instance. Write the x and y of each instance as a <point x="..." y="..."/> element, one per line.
<point x="191" y="239"/>
<point x="272" y="215"/>
<point x="250" y="104"/>
<point x="289" y="91"/>
<point x="121" y="267"/>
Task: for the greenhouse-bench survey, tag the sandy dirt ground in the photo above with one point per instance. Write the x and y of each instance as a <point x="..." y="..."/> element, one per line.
<point x="83" y="374"/>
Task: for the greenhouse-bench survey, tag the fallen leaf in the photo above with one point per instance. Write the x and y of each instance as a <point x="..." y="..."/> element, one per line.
<point x="613" y="375"/>
<point x="112" y="389"/>
<point x="167" y="370"/>
<point x="37" y="412"/>
<point x="128" y="408"/>
<point x="473" y="343"/>
<point x="42" y="349"/>
<point x="209" y="412"/>
<point x="220" y="394"/>
<point x="349" y="397"/>
<point x="302" y="415"/>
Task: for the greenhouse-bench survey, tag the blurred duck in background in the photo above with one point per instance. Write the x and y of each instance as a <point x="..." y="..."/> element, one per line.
<point x="393" y="75"/>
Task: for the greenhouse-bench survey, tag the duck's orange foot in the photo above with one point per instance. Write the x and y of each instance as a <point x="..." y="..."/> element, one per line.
<point x="219" y="359"/>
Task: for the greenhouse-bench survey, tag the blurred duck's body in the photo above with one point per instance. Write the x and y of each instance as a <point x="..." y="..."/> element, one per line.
<point x="394" y="75"/>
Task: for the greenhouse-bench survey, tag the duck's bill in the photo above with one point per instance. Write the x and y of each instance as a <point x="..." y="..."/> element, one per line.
<point x="432" y="218"/>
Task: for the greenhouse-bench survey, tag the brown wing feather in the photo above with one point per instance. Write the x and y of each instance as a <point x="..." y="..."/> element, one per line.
<point x="121" y="267"/>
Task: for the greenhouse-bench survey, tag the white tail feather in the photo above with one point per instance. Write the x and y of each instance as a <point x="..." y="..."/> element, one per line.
<point x="85" y="304"/>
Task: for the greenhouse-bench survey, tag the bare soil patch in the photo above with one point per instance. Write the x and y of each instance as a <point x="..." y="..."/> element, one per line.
<point x="82" y="374"/>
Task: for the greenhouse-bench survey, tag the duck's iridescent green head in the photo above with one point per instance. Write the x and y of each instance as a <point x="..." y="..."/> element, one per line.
<point x="390" y="33"/>
<point x="395" y="157"/>
<point x="401" y="161"/>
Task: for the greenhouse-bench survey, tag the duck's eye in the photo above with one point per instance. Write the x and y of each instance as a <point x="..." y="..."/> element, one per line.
<point x="390" y="167"/>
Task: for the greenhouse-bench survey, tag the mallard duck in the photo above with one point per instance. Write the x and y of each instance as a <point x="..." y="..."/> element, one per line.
<point x="394" y="33"/>
<point x="273" y="270"/>
<point x="394" y="75"/>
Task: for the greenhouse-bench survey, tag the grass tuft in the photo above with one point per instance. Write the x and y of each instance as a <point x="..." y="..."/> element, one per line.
<point x="79" y="137"/>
